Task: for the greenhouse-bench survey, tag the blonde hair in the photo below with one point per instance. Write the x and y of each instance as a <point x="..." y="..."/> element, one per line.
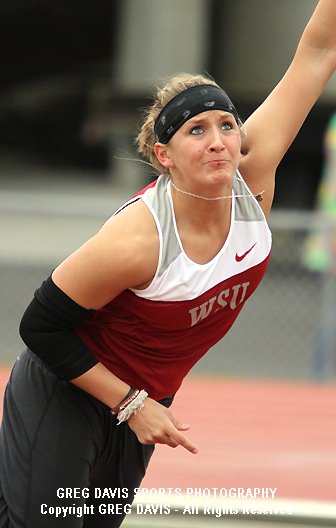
<point x="173" y="87"/>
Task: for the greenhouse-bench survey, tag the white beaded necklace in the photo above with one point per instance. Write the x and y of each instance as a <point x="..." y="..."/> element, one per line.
<point x="257" y="196"/>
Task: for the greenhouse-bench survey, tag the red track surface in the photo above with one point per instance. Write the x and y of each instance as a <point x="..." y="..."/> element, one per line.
<point x="251" y="434"/>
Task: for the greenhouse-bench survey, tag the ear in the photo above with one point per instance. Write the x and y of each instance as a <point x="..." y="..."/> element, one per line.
<point x="162" y="155"/>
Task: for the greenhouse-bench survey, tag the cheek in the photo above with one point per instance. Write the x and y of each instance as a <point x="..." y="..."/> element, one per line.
<point x="236" y="145"/>
<point x="189" y="155"/>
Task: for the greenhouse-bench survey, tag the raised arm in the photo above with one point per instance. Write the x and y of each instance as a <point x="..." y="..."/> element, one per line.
<point x="271" y="129"/>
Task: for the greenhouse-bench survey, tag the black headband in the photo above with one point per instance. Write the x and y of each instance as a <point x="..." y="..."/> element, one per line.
<point x="186" y="105"/>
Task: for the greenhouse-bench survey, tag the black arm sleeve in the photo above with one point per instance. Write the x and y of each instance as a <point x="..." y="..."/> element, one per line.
<point x="47" y="329"/>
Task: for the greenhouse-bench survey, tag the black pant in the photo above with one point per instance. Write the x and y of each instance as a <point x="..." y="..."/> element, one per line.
<point x="60" y="450"/>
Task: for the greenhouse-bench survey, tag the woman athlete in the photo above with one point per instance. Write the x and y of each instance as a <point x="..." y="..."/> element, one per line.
<point x="115" y="329"/>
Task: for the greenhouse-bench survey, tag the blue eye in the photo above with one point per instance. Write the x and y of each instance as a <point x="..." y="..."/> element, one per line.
<point x="226" y="126"/>
<point x="196" y="130"/>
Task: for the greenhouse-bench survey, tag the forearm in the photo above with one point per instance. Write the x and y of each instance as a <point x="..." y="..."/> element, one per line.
<point x="153" y="424"/>
<point x="103" y="385"/>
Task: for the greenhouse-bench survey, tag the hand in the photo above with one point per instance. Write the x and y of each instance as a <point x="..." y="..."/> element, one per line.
<point x="155" y="424"/>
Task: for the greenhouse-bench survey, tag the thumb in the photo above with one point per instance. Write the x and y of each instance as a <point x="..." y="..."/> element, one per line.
<point x="180" y="426"/>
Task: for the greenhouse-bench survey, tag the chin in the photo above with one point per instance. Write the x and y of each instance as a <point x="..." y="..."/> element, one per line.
<point x="221" y="177"/>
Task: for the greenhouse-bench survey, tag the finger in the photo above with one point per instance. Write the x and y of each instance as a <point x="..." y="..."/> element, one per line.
<point x="180" y="426"/>
<point x="184" y="442"/>
<point x="189" y="446"/>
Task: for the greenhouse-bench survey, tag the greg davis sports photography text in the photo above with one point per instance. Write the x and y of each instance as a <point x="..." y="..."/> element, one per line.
<point x="215" y="502"/>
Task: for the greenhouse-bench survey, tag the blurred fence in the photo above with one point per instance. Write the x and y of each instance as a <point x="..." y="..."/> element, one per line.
<point x="285" y="331"/>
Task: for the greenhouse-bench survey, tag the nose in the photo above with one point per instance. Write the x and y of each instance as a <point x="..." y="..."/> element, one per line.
<point x="216" y="140"/>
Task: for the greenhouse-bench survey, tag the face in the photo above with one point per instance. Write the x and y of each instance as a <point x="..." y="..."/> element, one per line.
<point x="204" y="153"/>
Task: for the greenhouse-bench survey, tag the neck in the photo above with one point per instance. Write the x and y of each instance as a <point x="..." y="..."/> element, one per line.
<point x="216" y="198"/>
<point x="201" y="212"/>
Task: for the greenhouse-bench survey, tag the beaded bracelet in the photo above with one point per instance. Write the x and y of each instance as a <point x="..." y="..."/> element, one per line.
<point x="131" y="404"/>
<point x="128" y="396"/>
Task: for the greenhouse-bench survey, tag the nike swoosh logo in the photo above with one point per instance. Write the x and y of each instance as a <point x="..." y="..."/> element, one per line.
<point x="239" y="258"/>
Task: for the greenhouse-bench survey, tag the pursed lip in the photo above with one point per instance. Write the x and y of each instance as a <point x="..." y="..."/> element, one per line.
<point x="219" y="161"/>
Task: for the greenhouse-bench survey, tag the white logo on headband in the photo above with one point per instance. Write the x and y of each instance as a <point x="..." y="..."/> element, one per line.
<point x="170" y="130"/>
<point x="210" y="103"/>
<point x="163" y="119"/>
<point x="186" y="114"/>
<point x="179" y="103"/>
<point x="204" y="91"/>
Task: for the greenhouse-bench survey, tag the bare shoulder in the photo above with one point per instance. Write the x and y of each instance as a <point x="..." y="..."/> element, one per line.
<point x="124" y="254"/>
<point x="133" y="233"/>
<point x="134" y="220"/>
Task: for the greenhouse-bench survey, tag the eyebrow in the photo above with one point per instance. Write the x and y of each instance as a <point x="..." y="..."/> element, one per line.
<point x="199" y="119"/>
